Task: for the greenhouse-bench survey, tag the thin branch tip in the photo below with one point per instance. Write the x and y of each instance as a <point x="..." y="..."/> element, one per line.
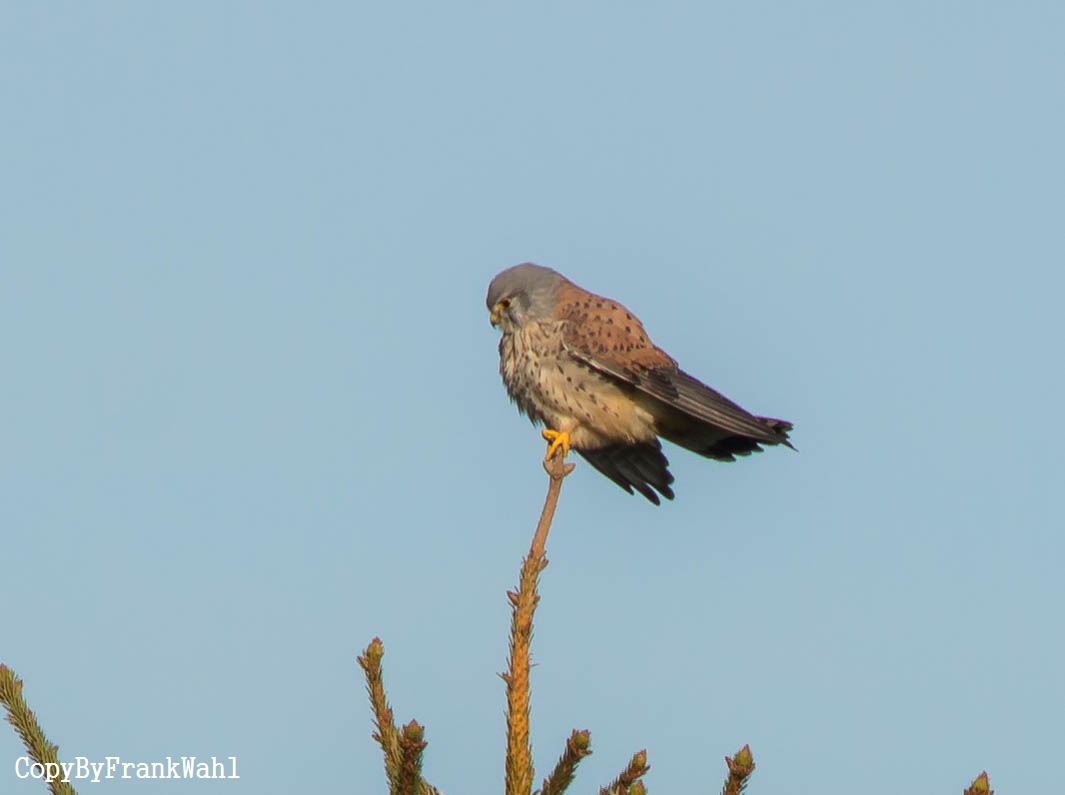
<point x="523" y="600"/>
<point x="981" y="786"/>
<point x="557" y="468"/>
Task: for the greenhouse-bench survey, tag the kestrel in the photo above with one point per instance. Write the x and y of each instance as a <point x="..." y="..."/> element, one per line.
<point x="583" y="366"/>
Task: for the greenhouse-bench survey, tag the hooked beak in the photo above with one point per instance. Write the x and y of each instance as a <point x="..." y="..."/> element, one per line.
<point x="493" y="316"/>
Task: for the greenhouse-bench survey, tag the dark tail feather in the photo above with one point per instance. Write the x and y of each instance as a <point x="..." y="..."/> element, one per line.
<point x="634" y="466"/>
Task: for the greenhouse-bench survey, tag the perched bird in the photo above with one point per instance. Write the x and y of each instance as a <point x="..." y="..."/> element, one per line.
<point x="583" y="366"/>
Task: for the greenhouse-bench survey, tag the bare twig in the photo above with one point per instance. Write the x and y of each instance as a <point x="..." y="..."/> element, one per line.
<point x="740" y="768"/>
<point x="578" y="746"/>
<point x="556" y="470"/>
<point x="628" y="783"/>
<point x="519" y="766"/>
<point x="25" y="722"/>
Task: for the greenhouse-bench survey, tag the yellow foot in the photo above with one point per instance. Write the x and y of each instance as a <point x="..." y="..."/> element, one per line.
<point x="556" y="440"/>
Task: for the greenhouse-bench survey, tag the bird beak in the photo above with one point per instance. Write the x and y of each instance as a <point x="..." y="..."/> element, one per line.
<point x="493" y="316"/>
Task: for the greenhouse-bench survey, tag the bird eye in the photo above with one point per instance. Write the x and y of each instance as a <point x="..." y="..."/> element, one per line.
<point x="504" y="302"/>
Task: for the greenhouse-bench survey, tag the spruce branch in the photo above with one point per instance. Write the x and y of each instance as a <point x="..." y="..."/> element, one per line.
<point x="628" y="783"/>
<point x="740" y="768"/>
<point x="411" y="746"/>
<point x="578" y="746"/>
<point x="981" y="786"/>
<point x="386" y="735"/>
<point x="403" y="748"/>
<point x="519" y="767"/>
<point x="25" y="722"/>
<point x="399" y="748"/>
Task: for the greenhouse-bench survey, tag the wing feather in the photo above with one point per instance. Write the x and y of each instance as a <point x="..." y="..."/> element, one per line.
<point x="607" y="337"/>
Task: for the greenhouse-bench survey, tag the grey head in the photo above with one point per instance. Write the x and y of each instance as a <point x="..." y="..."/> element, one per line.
<point x="523" y="293"/>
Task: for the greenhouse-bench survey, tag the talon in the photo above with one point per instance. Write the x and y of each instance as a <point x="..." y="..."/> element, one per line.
<point x="556" y="440"/>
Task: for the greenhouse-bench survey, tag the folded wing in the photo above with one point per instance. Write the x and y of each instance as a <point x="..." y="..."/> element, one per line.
<point x="605" y="336"/>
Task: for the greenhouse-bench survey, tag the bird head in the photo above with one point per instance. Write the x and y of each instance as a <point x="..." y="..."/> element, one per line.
<point x="522" y="294"/>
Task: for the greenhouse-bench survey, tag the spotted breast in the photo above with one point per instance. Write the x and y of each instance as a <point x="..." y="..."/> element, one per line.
<point x="551" y="386"/>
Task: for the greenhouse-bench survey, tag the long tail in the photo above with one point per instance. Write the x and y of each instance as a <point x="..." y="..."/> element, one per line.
<point x="643" y="467"/>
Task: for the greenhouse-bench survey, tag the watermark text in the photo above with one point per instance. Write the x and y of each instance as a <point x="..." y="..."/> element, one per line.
<point x="81" y="768"/>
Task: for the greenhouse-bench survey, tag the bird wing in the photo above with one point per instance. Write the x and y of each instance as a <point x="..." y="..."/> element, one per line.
<point x="607" y="337"/>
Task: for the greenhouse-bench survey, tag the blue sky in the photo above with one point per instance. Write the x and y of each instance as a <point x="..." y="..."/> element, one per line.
<point x="253" y="416"/>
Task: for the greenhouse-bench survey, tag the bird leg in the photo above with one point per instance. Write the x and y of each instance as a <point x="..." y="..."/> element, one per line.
<point x="555" y="441"/>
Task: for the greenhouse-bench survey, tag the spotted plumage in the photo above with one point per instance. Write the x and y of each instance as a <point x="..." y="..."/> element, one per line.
<point x="583" y="365"/>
